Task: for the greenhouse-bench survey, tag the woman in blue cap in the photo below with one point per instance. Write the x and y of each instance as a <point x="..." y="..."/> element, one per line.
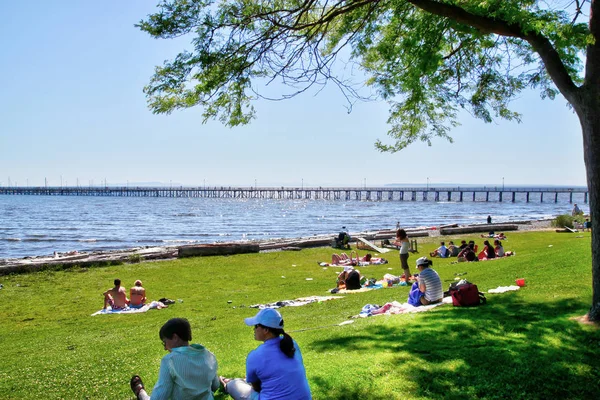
<point x="274" y="370"/>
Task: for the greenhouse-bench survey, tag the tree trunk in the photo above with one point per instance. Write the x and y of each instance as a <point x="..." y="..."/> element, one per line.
<point x="589" y="116"/>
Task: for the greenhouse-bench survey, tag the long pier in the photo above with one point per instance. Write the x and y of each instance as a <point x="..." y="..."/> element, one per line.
<point x="459" y="194"/>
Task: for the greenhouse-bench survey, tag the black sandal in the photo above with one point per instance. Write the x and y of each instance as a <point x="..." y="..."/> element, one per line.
<point x="136" y="384"/>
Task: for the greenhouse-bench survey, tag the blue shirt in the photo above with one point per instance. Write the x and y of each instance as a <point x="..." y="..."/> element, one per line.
<point x="188" y="372"/>
<point x="280" y="376"/>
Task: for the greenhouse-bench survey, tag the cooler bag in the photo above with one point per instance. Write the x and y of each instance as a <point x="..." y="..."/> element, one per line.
<point x="467" y="295"/>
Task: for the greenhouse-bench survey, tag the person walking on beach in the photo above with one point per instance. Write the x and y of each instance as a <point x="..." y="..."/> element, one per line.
<point x="404" y="244"/>
<point x="275" y="369"/>
<point x="189" y="371"/>
<point x="576" y="210"/>
<point x="116" y="297"/>
<point x="489" y="219"/>
<point x="137" y="295"/>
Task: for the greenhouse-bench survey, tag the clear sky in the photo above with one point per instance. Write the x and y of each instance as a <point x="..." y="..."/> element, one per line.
<point x="72" y="109"/>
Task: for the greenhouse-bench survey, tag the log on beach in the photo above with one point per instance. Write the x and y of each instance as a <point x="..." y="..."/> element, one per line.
<point x="301" y="243"/>
<point x="220" y="249"/>
<point x="95" y="259"/>
<point x="479" y="228"/>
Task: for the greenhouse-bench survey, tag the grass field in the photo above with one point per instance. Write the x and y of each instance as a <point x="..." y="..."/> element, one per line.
<point x="521" y="345"/>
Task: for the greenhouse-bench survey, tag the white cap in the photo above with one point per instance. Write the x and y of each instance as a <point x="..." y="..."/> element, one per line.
<point x="423" y="261"/>
<point x="268" y="317"/>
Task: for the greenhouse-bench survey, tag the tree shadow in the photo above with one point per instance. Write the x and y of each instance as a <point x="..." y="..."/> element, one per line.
<point x="508" y="349"/>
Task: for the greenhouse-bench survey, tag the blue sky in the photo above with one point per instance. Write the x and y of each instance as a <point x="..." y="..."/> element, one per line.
<point x="72" y="109"/>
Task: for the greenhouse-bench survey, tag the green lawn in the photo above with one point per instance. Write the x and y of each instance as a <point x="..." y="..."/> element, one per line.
<point x="520" y="345"/>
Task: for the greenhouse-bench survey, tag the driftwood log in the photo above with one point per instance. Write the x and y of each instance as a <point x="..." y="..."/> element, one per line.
<point x="479" y="228"/>
<point x="220" y="249"/>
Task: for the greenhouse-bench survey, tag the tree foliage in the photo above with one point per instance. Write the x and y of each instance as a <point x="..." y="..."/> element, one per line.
<point x="428" y="59"/>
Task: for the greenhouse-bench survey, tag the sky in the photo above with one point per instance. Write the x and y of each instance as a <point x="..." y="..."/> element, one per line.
<point x="73" y="111"/>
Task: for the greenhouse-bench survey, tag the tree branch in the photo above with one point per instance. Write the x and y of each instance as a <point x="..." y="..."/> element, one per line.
<point x="550" y="57"/>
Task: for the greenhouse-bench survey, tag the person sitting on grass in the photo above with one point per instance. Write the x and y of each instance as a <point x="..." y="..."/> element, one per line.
<point x="429" y="285"/>
<point x="349" y="279"/>
<point x="453" y="249"/>
<point x="275" y="369"/>
<point x="441" y="251"/>
<point x="467" y="254"/>
<point x="116" y="297"/>
<point x="498" y="248"/>
<point x="187" y="372"/>
<point x="137" y="295"/>
<point x="488" y="251"/>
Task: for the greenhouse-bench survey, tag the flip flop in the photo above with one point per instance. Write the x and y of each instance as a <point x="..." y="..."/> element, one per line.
<point x="136" y="384"/>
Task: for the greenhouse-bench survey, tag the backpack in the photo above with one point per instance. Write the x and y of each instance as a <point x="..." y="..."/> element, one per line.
<point x="466" y="295"/>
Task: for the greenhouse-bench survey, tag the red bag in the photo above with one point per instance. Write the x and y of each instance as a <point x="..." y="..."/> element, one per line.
<point x="467" y="295"/>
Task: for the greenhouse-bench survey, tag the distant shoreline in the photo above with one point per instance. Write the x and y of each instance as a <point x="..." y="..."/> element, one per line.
<point x="155" y="253"/>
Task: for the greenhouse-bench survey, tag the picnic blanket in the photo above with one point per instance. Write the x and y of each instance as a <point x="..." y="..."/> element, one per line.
<point x="128" y="310"/>
<point x="371" y="310"/>
<point x="503" y="289"/>
<point x="302" y="301"/>
<point x="353" y="262"/>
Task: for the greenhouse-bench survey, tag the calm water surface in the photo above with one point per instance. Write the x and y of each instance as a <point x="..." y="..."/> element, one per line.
<point x="40" y="225"/>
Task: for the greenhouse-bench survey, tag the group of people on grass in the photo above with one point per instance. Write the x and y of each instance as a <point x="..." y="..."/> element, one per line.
<point x="116" y="297"/>
<point x="468" y="251"/>
<point x="274" y="370"/>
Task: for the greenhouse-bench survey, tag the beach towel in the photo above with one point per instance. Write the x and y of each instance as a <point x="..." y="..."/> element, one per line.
<point x="129" y="310"/>
<point x="414" y="296"/>
<point x="353" y="262"/>
<point x="302" y="301"/>
<point x="394" y="307"/>
<point x="503" y="289"/>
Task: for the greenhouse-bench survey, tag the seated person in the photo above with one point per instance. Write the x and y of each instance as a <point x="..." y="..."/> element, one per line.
<point x="587" y="225"/>
<point x="488" y="251"/>
<point x="275" y="369"/>
<point x="429" y="284"/>
<point x="473" y="245"/>
<point x="349" y="279"/>
<point x="343" y="239"/>
<point x="441" y="251"/>
<point x="453" y="249"/>
<point x="463" y="244"/>
<point x="137" y="295"/>
<point x="189" y="371"/>
<point x="498" y="248"/>
<point x="467" y="254"/>
<point x="116" y="297"/>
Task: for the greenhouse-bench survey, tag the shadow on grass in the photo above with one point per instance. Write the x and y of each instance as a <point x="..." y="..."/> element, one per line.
<point x="508" y="349"/>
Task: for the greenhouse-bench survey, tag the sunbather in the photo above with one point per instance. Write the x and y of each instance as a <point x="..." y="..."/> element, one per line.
<point x="116" y="297"/>
<point x="137" y="295"/>
<point x="349" y="279"/>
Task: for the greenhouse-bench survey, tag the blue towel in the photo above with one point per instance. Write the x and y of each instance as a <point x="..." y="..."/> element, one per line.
<point x="414" y="296"/>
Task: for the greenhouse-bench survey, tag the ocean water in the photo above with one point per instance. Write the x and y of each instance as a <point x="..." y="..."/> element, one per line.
<point x="40" y="225"/>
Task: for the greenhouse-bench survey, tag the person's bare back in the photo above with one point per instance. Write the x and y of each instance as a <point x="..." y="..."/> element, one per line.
<point x="137" y="294"/>
<point x="116" y="297"/>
